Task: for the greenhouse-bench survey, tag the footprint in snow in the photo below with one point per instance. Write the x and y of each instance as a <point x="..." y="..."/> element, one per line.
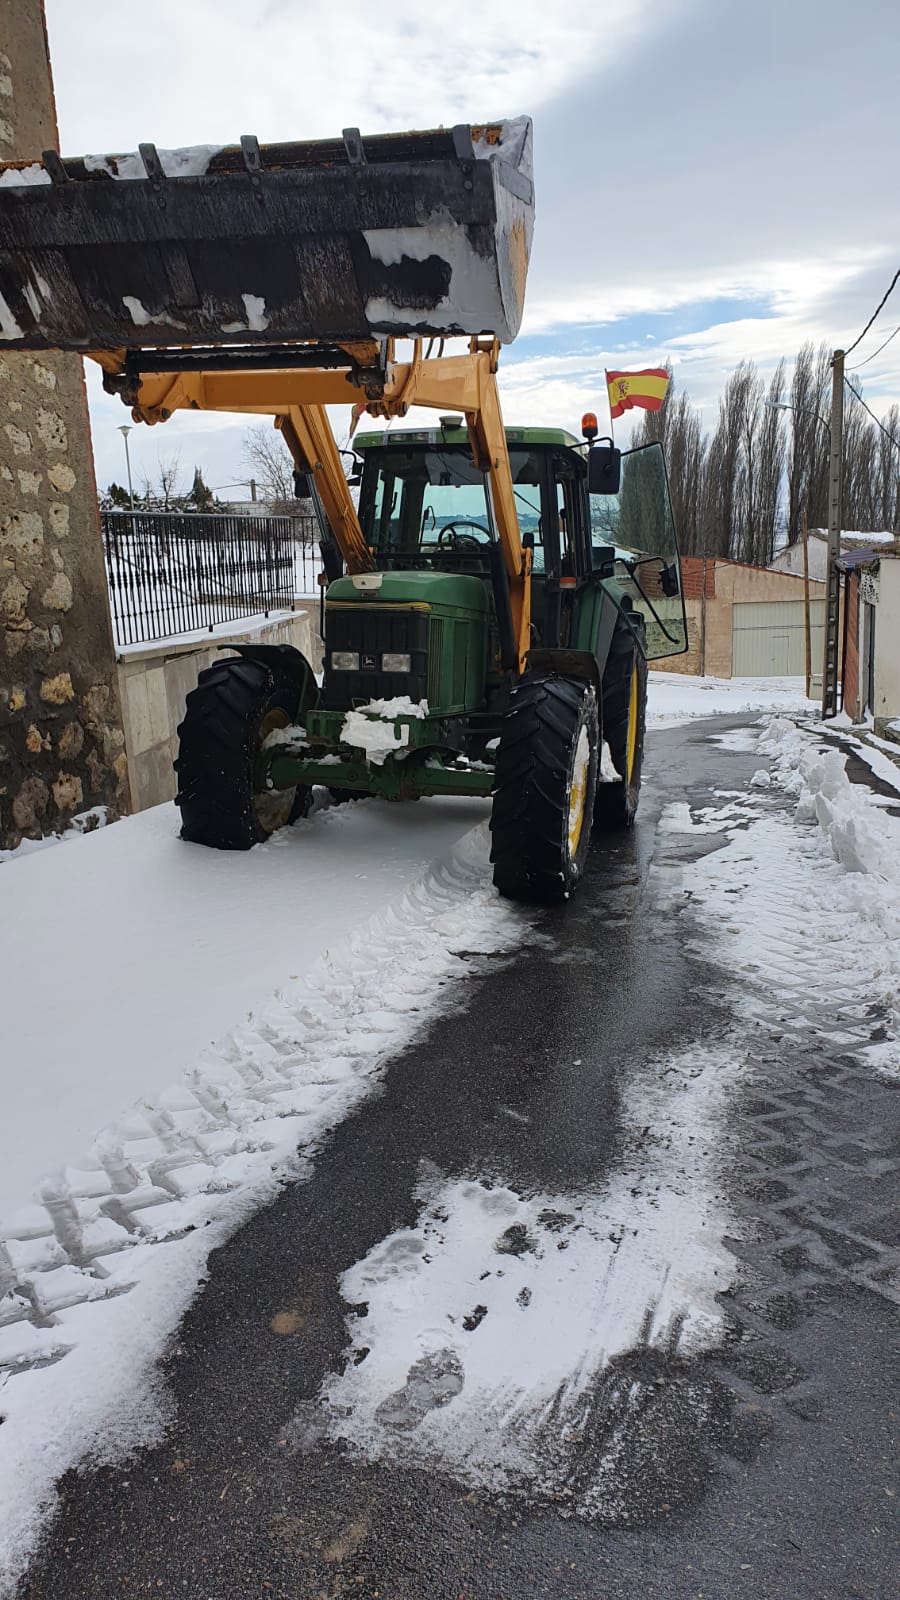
<point x="432" y="1381"/>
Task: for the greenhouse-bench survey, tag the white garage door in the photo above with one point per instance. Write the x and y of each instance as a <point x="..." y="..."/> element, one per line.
<point x="769" y="641"/>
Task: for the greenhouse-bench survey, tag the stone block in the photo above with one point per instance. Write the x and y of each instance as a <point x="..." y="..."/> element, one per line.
<point x="160" y="711"/>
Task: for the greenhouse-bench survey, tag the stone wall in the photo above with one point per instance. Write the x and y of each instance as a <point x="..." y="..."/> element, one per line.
<point x="61" y="738"/>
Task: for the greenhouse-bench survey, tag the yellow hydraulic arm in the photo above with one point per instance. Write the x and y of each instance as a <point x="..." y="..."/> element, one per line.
<point x="297" y="396"/>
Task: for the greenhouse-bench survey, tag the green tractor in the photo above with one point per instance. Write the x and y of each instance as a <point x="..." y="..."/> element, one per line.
<point x="421" y="694"/>
<point x="504" y="588"/>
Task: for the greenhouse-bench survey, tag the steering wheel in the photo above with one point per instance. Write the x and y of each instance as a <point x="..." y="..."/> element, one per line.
<point x="463" y="541"/>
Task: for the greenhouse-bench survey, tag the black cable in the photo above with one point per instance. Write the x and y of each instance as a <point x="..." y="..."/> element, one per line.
<point x="858" y="364"/>
<point x="877" y="422"/>
<point x="881" y="303"/>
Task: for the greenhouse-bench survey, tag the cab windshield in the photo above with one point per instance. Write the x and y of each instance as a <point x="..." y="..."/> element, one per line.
<point x="422" y="500"/>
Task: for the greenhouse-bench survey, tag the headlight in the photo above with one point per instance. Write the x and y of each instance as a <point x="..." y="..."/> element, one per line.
<point x="396" y="663"/>
<point x="345" y="660"/>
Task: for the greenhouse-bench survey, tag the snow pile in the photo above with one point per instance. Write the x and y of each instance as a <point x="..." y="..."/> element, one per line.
<point x="855" y="826"/>
<point x="806" y="906"/>
<point x="96" y="1277"/>
<point x="373" y="727"/>
<point x="676" y="697"/>
<point x="191" y="161"/>
<point x="17" y="177"/>
<point x="491" y="1323"/>
<point x="82" y="822"/>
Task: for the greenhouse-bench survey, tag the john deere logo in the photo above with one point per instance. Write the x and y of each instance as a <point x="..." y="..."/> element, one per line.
<point x="368" y="663"/>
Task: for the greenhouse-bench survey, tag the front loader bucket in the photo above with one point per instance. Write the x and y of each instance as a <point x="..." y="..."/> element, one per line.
<point x="343" y="240"/>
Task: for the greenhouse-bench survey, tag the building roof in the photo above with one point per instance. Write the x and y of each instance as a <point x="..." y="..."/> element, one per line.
<point x="458" y="434"/>
<point x="862" y="555"/>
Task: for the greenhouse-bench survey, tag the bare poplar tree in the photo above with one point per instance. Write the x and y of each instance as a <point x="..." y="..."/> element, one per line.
<point x="807" y="473"/>
<point x="676" y="426"/>
<point x="161" y="492"/>
<point x="270" y="462"/>
<point x="887" y="471"/>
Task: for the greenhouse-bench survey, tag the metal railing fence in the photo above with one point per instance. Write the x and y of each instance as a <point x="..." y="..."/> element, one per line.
<point x="172" y="573"/>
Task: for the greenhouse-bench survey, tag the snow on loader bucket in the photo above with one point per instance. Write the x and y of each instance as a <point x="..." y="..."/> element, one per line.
<point x="343" y="240"/>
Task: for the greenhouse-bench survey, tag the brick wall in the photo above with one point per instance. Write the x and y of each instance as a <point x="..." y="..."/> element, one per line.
<point x="852" y="699"/>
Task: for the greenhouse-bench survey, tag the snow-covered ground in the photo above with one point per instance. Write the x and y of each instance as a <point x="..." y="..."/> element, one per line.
<point x="555" y="1286"/>
<point x="208" y="1020"/>
<point x="675" y="697"/>
<point x="491" y="1334"/>
<point x="126" y="954"/>
<point x="182" y="1027"/>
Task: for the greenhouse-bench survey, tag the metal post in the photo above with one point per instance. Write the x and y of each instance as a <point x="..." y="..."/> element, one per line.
<point x="806" y="616"/>
<point x="125" y="431"/>
<point x="703" y="622"/>
<point x="833" y="576"/>
<point x="252" y="488"/>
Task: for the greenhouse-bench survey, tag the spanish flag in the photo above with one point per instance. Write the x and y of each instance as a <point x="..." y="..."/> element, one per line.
<point x="627" y="389"/>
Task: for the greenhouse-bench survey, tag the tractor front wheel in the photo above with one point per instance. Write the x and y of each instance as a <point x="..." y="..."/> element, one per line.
<point x="624" y="717"/>
<point x="544" y="788"/>
<point x="237" y="703"/>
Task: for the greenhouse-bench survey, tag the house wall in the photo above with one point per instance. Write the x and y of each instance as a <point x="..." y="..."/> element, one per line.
<point x="742" y="585"/>
<point x="61" y="738"/>
<point x="887" y="654"/>
<point x="722" y="585"/>
<point x="154" y="682"/>
<point x="791" y="559"/>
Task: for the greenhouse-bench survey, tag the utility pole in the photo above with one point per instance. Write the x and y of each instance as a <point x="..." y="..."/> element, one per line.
<point x="833" y="577"/>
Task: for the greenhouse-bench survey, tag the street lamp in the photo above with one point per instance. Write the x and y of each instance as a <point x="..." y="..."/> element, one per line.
<point x="785" y="405"/>
<point x="125" y="431"/>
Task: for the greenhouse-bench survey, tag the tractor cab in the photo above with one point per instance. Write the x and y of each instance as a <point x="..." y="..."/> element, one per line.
<point x="427" y="517"/>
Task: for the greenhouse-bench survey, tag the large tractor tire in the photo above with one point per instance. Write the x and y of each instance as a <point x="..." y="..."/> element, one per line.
<point x="623" y="717"/>
<point x="236" y="704"/>
<point x="544" y="789"/>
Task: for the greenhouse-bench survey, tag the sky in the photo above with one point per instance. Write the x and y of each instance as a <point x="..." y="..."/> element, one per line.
<point x="713" y="180"/>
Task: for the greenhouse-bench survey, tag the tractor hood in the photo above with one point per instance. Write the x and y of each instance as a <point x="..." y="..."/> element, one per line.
<point x="425" y="591"/>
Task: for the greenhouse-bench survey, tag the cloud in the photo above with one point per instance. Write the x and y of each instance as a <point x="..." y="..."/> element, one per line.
<point x="214" y="69"/>
<point x="688" y="157"/>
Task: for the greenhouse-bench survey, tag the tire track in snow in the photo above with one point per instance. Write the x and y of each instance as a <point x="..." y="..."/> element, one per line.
<point x="100" y="1271"/>
<point x="545" y="1345"/>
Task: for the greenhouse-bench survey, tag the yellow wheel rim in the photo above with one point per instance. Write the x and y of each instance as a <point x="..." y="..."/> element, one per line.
<point x="634" y="701"/>
<point x="578" y="791"/>
<point x="272" y="807"/>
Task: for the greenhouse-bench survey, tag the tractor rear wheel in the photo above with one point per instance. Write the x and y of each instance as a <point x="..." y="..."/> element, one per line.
<point x="623" y="717"/>
<point x="237" y="703"/>
<point x="544" y="788"/>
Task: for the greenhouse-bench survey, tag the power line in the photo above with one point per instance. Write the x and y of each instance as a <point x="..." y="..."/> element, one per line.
<point x="881" y="303"/>
<point x="858" y="364"/>
<point x="876" y="420"/>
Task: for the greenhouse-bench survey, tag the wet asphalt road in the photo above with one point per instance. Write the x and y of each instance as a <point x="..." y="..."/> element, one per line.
<point x="761" y="1470"/>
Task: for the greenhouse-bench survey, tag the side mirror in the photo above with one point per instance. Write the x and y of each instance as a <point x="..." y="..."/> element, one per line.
<point x="669" y="581"/>
<point x="604" y="469"/>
